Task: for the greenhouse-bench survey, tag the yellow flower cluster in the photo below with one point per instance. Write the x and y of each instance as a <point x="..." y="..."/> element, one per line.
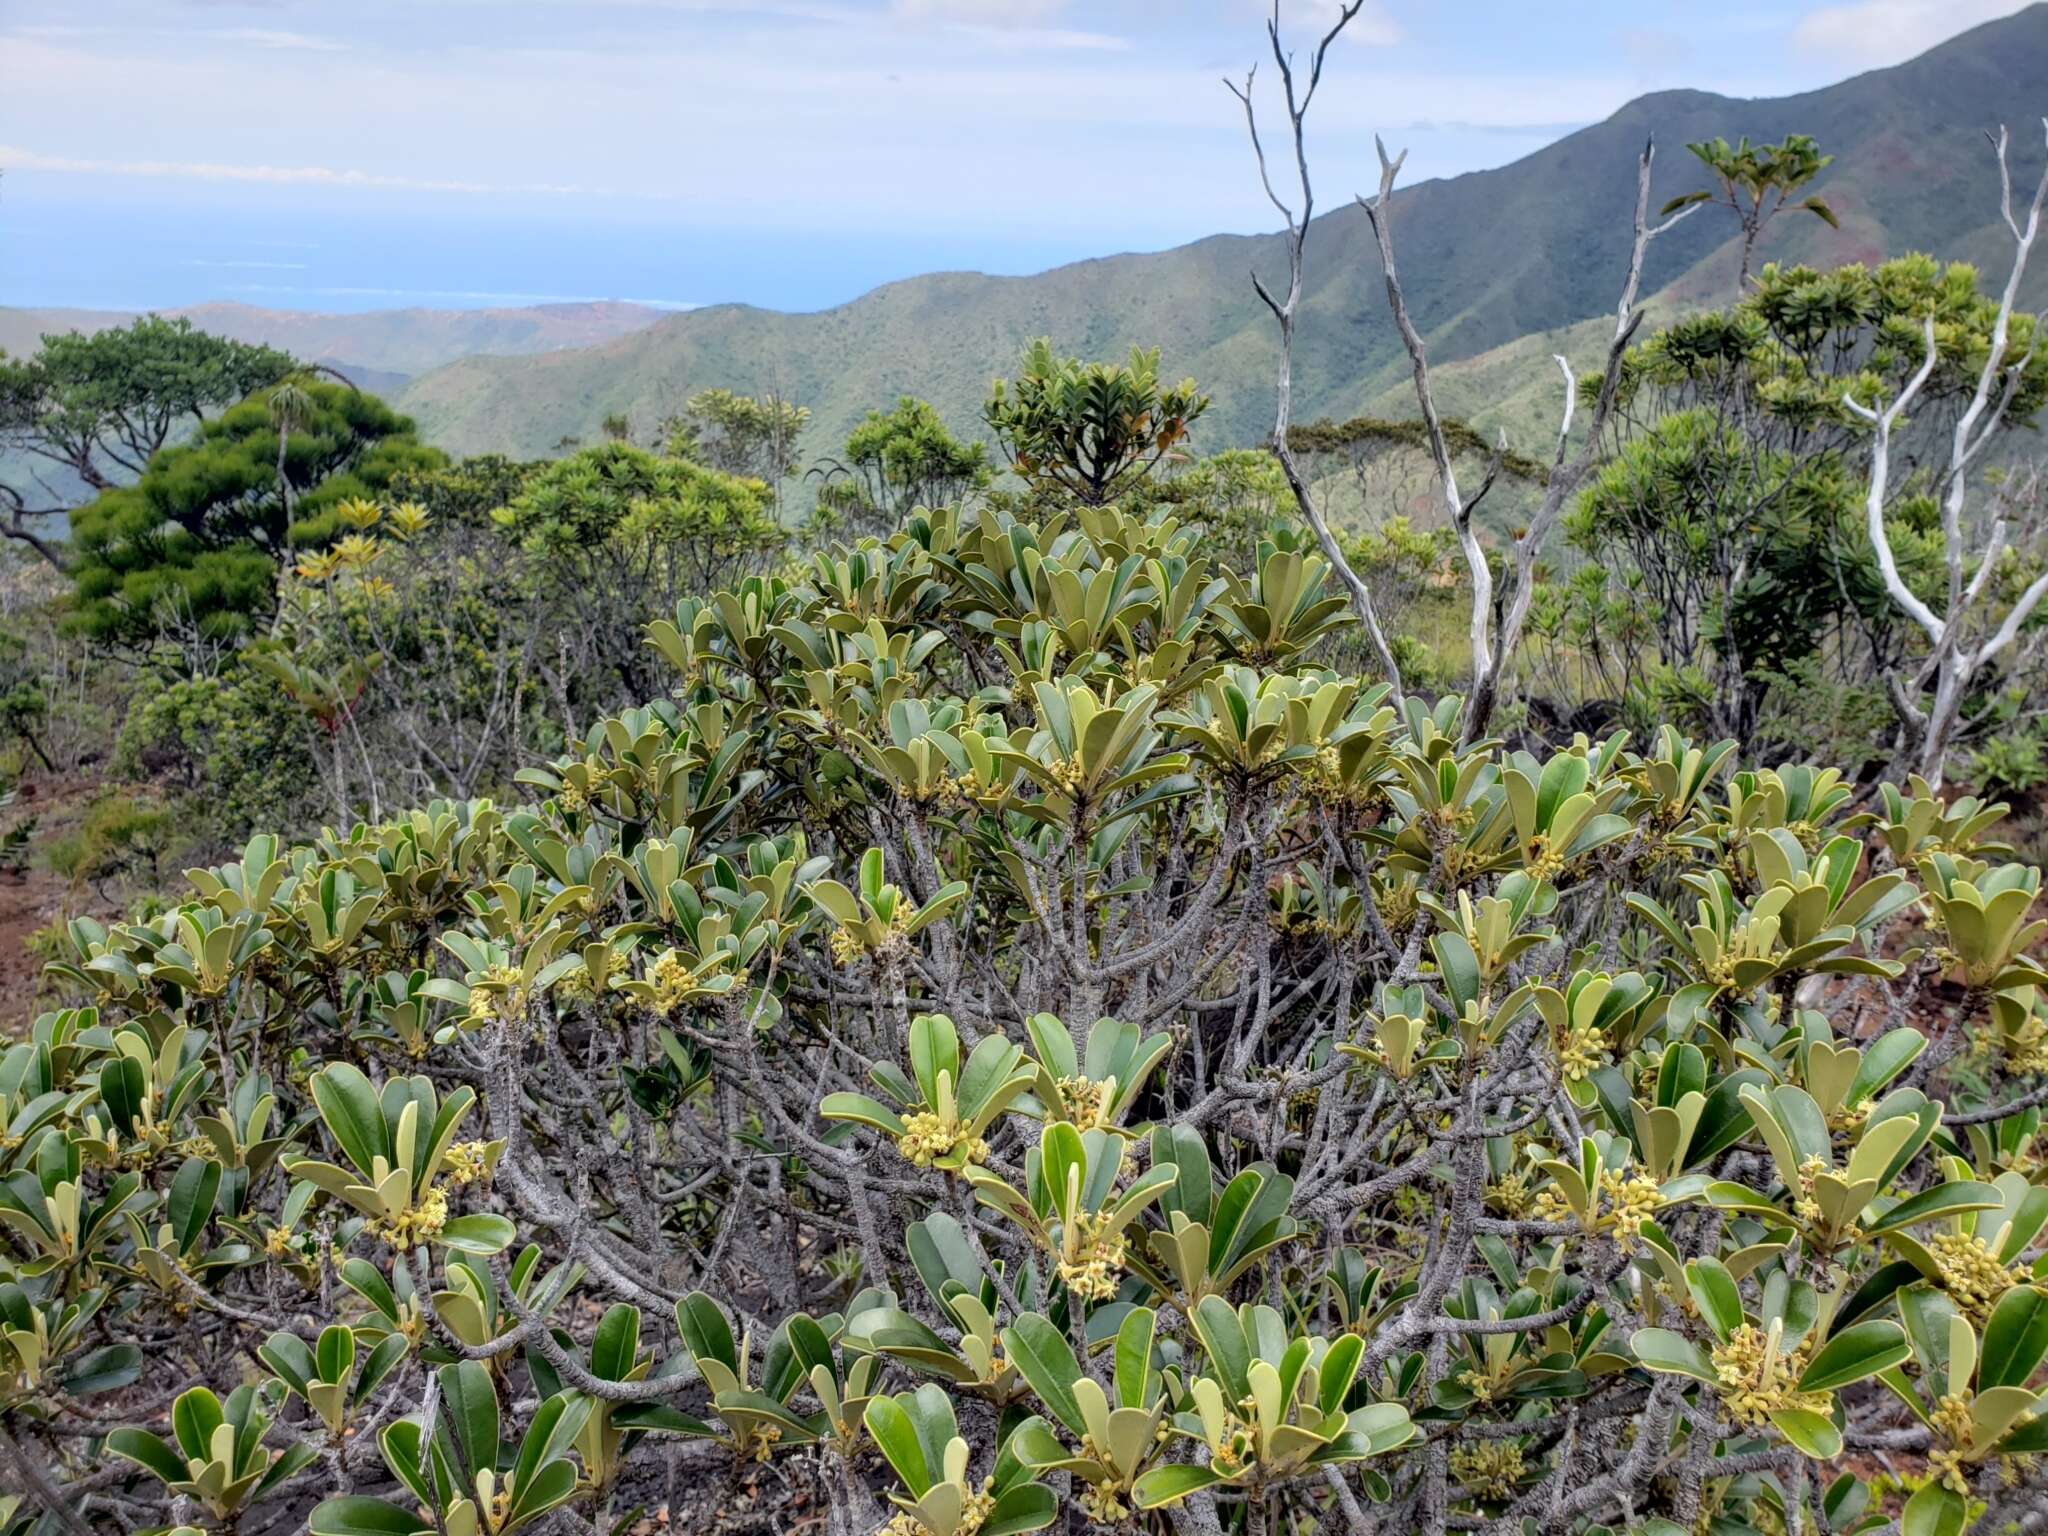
<point x="848" y="947"/>
<point x="1100" y="1503"/>
<point x="278" y="1242"/>
<point x="1478" y="1383"/>
<point x="1238" y="1444"/>
<point x="1509" y="1194"/>
<point x="673" y="982"/>
<point x="1490" y="1469"/>
<point x="1322" y="778"/>
<point x="500" y="994"/>
<point x="1970" y="1271"/>
<point x="1068" y="773"/>
<point x="1541" y="861"/>
<point x="974" y="1515"/>
<point x="466" y="1162"/>
<point x="1757" y="1379"/>
<point x="416" y="1223"/>
<point x="1951" y="1420"/>
<point x="926" y="1138"/>
<point x="1804" y="1206"/>
<point x="2026" y="1048"/>
<point x="1081" y="1099"/>
<point x="1632" y="1199"/>
<point x="1581" y="1051"/>
<point x="1096" y="1264"/>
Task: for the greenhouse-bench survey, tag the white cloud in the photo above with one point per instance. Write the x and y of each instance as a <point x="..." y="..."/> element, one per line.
<point x="267" y="37"/>
<point x="1372" y="26"/>
<point x="1872" y="33"/>
<point x="13" y="157"/>
<point x="1012" y="23"/>
<point x="981" y="13"/>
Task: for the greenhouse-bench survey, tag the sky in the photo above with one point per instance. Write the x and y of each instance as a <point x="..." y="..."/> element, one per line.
<point x="367" y="154"/>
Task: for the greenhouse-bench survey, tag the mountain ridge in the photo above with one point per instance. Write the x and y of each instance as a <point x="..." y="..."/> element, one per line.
<point x="1911" y="173"/>
<point x="380" y="348"/>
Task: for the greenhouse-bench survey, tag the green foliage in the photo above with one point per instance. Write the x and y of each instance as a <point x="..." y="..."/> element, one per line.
<point x="1566" y="995"/>
<point x="466" y="491"/>
<point x="1724" y="536"/>
<point x="1757" y="181"/>
<point x="102" y="405"/>
<point x="121" y="835"/>
<point x="1281" y="1106"/>
<point x="893" y="463"/>
<point x="222" y="734"/>
<point x="738" y="434"/>
<point x="196" y="542"/>
<point x="1092" y="429"/>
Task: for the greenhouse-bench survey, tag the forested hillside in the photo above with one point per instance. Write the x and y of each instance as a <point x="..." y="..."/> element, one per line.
<point x="1489" y="258"/>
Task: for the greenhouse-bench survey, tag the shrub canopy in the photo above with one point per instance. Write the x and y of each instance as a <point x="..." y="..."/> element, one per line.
<point x="1006" y="1007"/>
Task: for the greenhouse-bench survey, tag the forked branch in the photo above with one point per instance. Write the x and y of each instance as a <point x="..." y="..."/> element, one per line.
<point x="1296" y="216"/>
<point x="1496" y="634"/>
<point x="1955" y="656"/>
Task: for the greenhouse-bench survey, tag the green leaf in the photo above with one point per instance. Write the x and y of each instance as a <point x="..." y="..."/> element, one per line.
<point x="1045" y="1360"/>
<point x="896" y="1438"/>
<point x="1458" y="964"/>
<point x="357" y="1515"/>
<point x="103" y="1370"/>
<point x="705" y="1330"/>
<point x="2015" y="1338"/>
<point x="469" y="1412"/>
<point x="194" y="1417"/>
<point x="541" y="1491"/>
<point x="483" y="1232"/>
<point x="930" y="1413"/>
<point x="348" y="1105"/>
<point x="1813" y="1434"/>
<point x="1230" y="1353"/>
<point x="1934" y="1511"/>
<point x="616" y="1343"/>
<point x="863" y="1110"/>
<point x="1715" y="1291"/>
<point x="1659" y="1349"/>
<point x="1169" y="1485"/>
<point x="1858" y="1351"/>
<point x="1941" y="1200"/>
<point x="189" y="1206"/>
<point x="1030" y="1507"/>
<point x="147" y="1452"/>
<point x="1134" y="1356"/>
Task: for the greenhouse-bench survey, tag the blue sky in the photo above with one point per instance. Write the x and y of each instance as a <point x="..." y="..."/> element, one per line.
<point x="357" y="154"/>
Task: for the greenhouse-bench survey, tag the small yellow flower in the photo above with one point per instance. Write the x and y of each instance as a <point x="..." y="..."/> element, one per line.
<point x="1489" y="1469"/>
<point x="416" y="1224"/>
<point x="466" y="1162"/>
<point x="1091" y="1260"/>
<point x="1970" y="1272"/>
<point x="1757" y="1377"/>
<point x="926" y="1138"/>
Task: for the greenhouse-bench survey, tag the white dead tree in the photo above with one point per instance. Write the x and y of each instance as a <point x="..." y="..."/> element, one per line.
<point x="1297" y="103"/>
<point x="1962" y="638"/>
<point x="1496" y="628"/>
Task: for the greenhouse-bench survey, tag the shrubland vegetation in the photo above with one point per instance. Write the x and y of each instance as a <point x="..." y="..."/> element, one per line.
<point x="1375" y="983"/>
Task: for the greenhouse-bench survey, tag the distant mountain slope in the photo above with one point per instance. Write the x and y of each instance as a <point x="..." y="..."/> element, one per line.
<point x="381" y="349"/>
<point x="1487" y="258"/>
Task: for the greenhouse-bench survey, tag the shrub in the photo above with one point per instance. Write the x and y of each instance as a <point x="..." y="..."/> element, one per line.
<point x="1010" y="1034"/>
